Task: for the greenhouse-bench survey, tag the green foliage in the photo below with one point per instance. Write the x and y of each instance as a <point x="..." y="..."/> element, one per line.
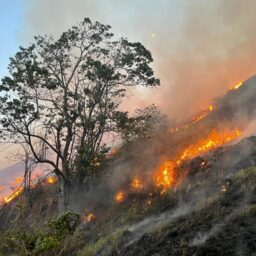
<point x="89" y="163"/>
<point x="64" y="224"/>
<point x="48" y="241"/>
<point x="146" y="123"/>
<point x="244" y="174"/>
<point x="110" y="241"/>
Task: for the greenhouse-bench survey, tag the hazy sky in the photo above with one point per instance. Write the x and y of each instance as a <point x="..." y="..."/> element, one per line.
<point x="200" y="47"/>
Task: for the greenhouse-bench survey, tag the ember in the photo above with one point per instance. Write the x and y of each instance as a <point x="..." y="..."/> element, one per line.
<point x="148" y="202"/>
<point x="90" y="217"/>
<point x="136" y="183"/>
<point x="120" y="197"/>
<point x="51" y="180"/>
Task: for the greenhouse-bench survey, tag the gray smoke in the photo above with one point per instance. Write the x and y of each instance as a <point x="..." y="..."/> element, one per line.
<point x="200" y="47"/>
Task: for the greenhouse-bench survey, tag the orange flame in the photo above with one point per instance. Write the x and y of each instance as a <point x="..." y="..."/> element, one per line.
<point x="236" y="86"/>
<point x="18" y="189"/>
<point x="19" y="180"/>
<point x="15" y="194"/>
<point x="196" y="118"/>
<point x="51" y="180"/>
<point x="90" y="217"/>
<point x="119" y="197"/>
<point x="136" y="183"/>
<point x="166" y="176"/>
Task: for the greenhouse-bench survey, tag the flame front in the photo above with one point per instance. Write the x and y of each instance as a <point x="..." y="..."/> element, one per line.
<point x="15" y="194"/>
<point x="18" y="189"/>
<point x="196" y="118"/>
<point x="236" y="86"/>
<point x="166" y="175"/>
<point x="214" y="140"/>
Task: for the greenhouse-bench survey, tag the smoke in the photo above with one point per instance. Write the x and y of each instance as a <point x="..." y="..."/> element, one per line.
<point x="200" y="48"/>
<point x="250" y="130"/>
<point x="152" y="223"/>
<point x="201" y="238"/>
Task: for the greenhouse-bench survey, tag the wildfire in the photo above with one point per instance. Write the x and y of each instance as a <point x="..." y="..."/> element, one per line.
<point x="51" y="180"/>
<point x="15" y="194"/>
<point x="18" y="189"/>
<point x="119" y="197"/>
<point x="236" y="86"/>
<point x="165" y="175"/>
<point x="136" y="183"/>
<point x="90" y="217"/>
<point x="214" y="140"/>
<point x="196" y="118"/>
<point x="18" y="180"/>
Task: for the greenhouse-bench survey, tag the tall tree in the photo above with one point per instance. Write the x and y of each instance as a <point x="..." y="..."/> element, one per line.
<point x="63" y="95"/>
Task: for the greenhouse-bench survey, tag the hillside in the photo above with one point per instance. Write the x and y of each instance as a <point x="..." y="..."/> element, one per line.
<point x="206" y="216"/>
<point x="190" y="191"/>
<point x="213" y="217"/>
<point x="212" y="211"/>
<point x="221" y="224"/>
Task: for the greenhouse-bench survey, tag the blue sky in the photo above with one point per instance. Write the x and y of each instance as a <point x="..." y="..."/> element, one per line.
<point x="11" y="18"/>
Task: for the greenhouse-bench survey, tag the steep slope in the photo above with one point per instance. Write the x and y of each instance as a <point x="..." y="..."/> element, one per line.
<point x="211" y="212"/>
<point x="222" y="224"/>
<point x="209" y="209"/>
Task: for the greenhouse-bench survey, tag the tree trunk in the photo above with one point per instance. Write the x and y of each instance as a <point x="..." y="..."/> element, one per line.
<point x="64" y="195"/>
<point x="65" y="189"/>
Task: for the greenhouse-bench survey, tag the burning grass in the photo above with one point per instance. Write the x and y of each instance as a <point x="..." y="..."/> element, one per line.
<point x="107" y="233"/>
<point x="18" y="188"/>
<point x="141" y="197"/>
<point x="238" y="85"/>
<point x="222" y="224"/>
<point x="169" y="174"/>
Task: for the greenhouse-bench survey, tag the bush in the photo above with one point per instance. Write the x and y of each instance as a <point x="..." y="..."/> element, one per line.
<point x="48" y="241"/>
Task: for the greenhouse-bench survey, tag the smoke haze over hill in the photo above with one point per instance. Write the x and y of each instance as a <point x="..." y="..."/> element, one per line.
<point x="200" y="47"/>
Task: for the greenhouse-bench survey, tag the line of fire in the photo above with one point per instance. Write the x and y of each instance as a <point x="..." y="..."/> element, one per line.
<point x="169" y="172"/>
